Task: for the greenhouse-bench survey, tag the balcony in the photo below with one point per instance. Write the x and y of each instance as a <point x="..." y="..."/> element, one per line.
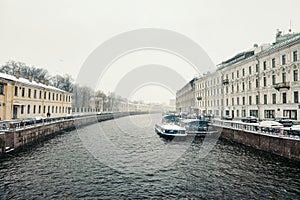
<point x="279" y="86"/>
<point x="225" y="81"/>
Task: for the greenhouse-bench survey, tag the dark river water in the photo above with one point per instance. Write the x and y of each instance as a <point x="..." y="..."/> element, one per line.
<point x="126" y="159"/>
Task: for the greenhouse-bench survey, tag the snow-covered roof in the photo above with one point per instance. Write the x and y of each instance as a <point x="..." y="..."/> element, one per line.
<point x="30" y="83"/>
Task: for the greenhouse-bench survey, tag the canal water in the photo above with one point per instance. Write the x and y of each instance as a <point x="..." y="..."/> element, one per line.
<point x="124" y="159"/>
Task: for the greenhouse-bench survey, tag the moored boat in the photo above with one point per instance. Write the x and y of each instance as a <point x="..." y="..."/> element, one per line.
<point x="169" y="128"/>
<point x="196" y="126"/>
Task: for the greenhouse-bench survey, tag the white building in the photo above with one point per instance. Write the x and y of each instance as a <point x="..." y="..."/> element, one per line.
<point x="263" y="82"/>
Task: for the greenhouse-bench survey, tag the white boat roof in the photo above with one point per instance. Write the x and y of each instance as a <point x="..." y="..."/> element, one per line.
<point x="31" y="83"/>
<point x="190" y="120"/>
<point x="172" y="127"/>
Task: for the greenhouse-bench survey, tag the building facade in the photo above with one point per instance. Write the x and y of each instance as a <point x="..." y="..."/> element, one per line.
<point x="26" y="98"/>
<point x="262" y="82"/>
<point x="185" y="98"/>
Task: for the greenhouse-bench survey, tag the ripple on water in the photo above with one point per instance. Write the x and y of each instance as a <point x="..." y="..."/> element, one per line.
<point x="63" y="168"/>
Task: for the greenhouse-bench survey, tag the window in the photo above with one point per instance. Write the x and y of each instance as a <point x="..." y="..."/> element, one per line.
<point x="256" y="83"/>
<point x="296" y="75"/>
<point x="295" y="56"/>
<point x="254" y="113"/>
<point x="296" y="97"/>
<point x="237" y="74"/>
<point x="52" y="109"/>
<point x="292" y="114"/>
<point x="40" y="94"/>
<point x="243" y="113"/>
<point x="49" y="96"/>
<point x="226" y="102"/>
<point x="257" y="99"/>
<point x="243" y="100"/>
<point x="60" y="97"/>
<point x="16" y="90"/>
<point x="250" y="70"/>
<point x="232" y="100"/>
<point x="284" y="97"/>
<point x="34" y="109"/>
<point x="265" y="65"/>
<point x="250" y="100"/>
<point x="39" y="109"/>
<point x="232" y="88"/>
<point x="34" y="94"/>
<point x="243" y="71"/>
<point x="29" y="93"/>
<point x="237" y="87"/>
<point x="265" y="81"/>
<point x="274" y="98"/>
<point x="232" y="75"/>
<point x="226" y="89"/>
<point x="48" y="109"/>
<point x="283" y="59"/>
<point x="23" y="92"/>
<point x="265" y="99"/>
<point x="28" y="109"/>
<point x="44" y="109"/>
<point x="243" y="86"/>
<point x="56" y="97"/>
<point x="273" y="79"/>
<point x="53" y="96"/>
<point x="56" y="109"/>
<point x="238" y="113"/>
<point x="249" y="84"/>
<point x="269" y="113"/>
<point x="273" y="63"/>
<point x="237" y="101"/>
<point x="22" y="109"/>
<point x="283" y="77"/>
<point x="1" y="88"/>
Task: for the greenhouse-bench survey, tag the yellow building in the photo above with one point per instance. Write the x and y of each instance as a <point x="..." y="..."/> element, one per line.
<point x="26" y="98"/>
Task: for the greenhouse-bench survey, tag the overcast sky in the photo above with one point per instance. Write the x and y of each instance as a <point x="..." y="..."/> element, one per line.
<point x="60" y="34"/>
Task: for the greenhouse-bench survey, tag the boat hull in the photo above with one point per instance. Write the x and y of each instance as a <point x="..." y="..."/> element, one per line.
<point x="170" y="134"/>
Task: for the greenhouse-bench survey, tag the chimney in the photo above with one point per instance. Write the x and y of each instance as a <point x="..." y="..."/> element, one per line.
<point x="42" y="81"/>
<point x="30" y="78"/>
<point x="37" y="80"/>
<point x="46" y="82"/>
<point x="17" y="74"/>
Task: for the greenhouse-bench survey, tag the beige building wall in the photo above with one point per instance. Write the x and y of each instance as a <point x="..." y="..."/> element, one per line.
<point x="185" y="98"/>
<point x="28" y="99"/>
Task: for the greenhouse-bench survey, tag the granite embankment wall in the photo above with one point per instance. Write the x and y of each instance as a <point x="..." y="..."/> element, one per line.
<point x="15" y="138"/>
<point x="285" y="147"/>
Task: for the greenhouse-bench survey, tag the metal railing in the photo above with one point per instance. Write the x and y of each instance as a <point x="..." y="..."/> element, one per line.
<point x="288" y="133"/>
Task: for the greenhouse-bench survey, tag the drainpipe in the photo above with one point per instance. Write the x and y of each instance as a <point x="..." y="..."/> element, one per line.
<point x="258" y="91"/>
<point x="12" y="97"/>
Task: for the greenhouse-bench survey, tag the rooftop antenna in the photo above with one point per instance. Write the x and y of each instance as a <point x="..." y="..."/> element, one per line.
<point x="290" y="30"/>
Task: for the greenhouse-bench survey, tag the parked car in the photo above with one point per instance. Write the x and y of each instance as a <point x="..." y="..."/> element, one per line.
<point x="270" y="126"/>
<point x="227" y="117"/>
<point x="285" y="121"/>
<point x="250" y="119"/>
